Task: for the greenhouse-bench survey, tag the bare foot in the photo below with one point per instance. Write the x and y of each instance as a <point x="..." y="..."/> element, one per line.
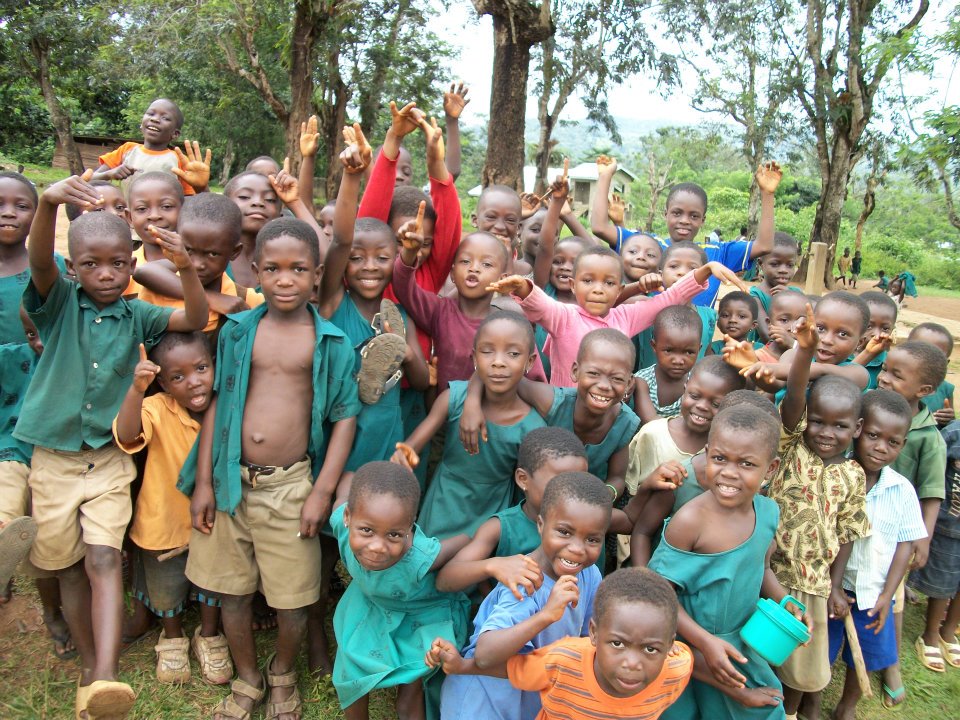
<point x="318" y="653"/>
<point x="56" y="625"/>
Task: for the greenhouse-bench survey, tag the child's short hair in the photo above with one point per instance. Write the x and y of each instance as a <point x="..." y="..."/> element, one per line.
<point x="597" y="251"/>
<point x="688" y="187"/>
<point x="481" y="233"/>
<point x="385" y="478"/>
<point x="212" y="209"/>
<point x="894" y="403"/>
<point x="258" y="158"/>
<point x="880" y="299"/>
<point x="682" y="317"/>
<point x="833" y="386"/>
<point x="683" y="245"/>
<point x="933" y="363"/>
<point x="852" y="301"/>
<point x="406" y="203"/>
<point x="716" y="366"/>
<point x="548" y="443"/>
<point x="232" y="182"/>
<point x="375" y="225"/>
<point x="20" y="178"/>
<point x="786" y="296"/>
<point x="752" y="398"/>
<point x="934" y="328"/>
<point x="749" y="420"/>
<point x="173" y="340"/>
<point x="96" y="224"/>
<point x="494" y="189"/>
<point x="785" y="240"/>
<point x="611" y="336"/>
<point x="169" y="179"/>
<point x="526" y="329"/>
<point x="740" y="296"/>
<point x="632" y="585"/>
<point x="297" y="229"/>
<point x="579" y="487"/>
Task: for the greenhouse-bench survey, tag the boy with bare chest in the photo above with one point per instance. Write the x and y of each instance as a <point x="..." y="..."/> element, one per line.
<point x="271" y="450"/>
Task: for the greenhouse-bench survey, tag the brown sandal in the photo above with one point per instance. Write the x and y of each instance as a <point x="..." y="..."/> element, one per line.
<point x="231" y="709"/>
<point x="293" y="704"/>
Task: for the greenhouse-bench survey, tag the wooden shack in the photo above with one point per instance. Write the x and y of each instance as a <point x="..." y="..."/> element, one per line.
<point x="91" y="147"/>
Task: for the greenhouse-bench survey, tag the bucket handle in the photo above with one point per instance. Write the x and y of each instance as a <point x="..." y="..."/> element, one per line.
<point x="792" y="599"/>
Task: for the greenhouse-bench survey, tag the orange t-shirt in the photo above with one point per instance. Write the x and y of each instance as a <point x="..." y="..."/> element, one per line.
<point x="137" y="156"/>
<point x="161" y="519"/>
<point x="227" y="286"/>
<point x="563" y="674"/>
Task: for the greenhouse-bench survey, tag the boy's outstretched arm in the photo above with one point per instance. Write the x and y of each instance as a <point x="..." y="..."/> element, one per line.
<point x="194" y="314"/>
<point x="454" y="103"/>
<point x="129" y="423"/>
<point x="356" y="158"/>
<point x="75" y="190"/>
<point x="203" y="506"/>
<point x="423" y="432"/>
<point x="768" y="178"/>
<point x="309" y="143"/>
<point x="600" y="224"/>
<point x="795" y="401"/>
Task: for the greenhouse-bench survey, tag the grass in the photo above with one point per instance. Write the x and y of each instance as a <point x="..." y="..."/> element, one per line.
<point x="36" y="686"/>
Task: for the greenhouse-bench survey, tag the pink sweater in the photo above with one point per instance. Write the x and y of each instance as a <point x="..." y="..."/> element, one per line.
<point x="567" y="324"/>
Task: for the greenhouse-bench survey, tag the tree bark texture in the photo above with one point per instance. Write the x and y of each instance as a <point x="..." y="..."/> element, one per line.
<point x="58" y="115"/>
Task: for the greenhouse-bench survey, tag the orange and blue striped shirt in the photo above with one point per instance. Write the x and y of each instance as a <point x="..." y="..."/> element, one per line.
<point x="563" y="674"/>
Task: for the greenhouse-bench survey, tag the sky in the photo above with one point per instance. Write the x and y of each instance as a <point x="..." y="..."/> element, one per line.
<point x="473" y="38"/>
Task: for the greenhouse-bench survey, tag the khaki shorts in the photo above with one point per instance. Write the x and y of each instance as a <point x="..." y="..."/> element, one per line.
<point x="79" y="499"/>
<point x="808" y="667"/>
<point x="15" y="502"/>
<point x="258" y="546"/>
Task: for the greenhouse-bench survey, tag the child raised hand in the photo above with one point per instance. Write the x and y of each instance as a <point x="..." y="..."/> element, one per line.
<point x="410" y="235"/>
<point x="172" y="245"/>
<point x="194" y="169"/>
<point x="285" y="185"/>
<point x="768" y="177"/>
<point x="616" y="211"/>
<point x="309" y="137"/>
<point x="606" y="166"/>
<point x="405" y="120"/>
<point x="75" y="190"/>
<point x="145" y="372"/>
<point x="435" y="149"/>
<point x="309" y="143"/>
<point x="358" y="154"/>
<point x="455" y="100"/>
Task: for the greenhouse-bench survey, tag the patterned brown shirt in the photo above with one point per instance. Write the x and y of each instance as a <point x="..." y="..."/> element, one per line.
<point x="821" y="508"/>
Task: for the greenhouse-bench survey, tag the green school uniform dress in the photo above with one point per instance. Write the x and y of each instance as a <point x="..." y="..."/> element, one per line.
<point x="618" y="436"/>
<point x="17" y="363"/>
<point x="467" y="489"/>
<point x="518" y="533"/>
<point x="720" y="592"/>
<point x="11" y="295"/>
<point x="387" y="619"/>
<point x="379" y="426"/>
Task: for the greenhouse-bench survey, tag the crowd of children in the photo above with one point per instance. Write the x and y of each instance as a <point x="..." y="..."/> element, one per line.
<point x="560" y="472"/>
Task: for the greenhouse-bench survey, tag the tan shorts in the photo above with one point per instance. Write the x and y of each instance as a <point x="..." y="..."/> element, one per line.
<point x="79" y="499"/>
<point x="15" y="502"/>
<point x="808" y="667"/>
<point x="258" y="546"/>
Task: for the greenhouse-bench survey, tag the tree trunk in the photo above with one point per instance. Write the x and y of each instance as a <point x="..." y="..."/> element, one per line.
<point x="753" y="209"/>
<point x="331" y="117"/>
<point x="229" y="155"/>
<point x="869" y="203"/>
<point x="371" y="94"/>
<point x="833" y="190"/>
<point x="517" y="26"/>
<point x="657" y="182"/>
<point x="59" y="117"/>
<point x="302" y="44"/>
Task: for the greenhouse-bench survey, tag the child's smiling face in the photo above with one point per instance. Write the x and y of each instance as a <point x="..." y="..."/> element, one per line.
<point x="737" y="464"/>
<point x="632" y="642"/>
<point x="641" y="255"/>
<point x="881" y="439"/>
<point x="596" y="283"/>
<point x="561" y="269"/>
<point x="832" y="424"/>
<point x="571" y="536"/>
<point x="381" y="530"/>
<point x="700" y="400"/>
<point x="779" y="265"/>
<point x="257" y="200"/>
<point x="685" y="216"/>
<point x="901" y="373"/>
<point x="604" y="375"/>
<point x="370" y="265"/>
<point x="840" y="327"/>
<point x="530" y="234"/>
<point x="153" y="202"/>
<point x="17" y="209"/>
<point x="160" y="125"/>
<point x="499" y="213"/>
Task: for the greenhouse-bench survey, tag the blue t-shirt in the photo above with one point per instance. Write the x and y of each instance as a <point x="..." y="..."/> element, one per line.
<point x="474" y="697"/>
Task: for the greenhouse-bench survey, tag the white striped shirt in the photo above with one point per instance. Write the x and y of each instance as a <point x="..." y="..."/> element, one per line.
<point x="895" y="517"/>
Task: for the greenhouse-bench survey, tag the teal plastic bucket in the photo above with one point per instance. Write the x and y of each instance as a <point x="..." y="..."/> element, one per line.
<point x="773" y="631"/>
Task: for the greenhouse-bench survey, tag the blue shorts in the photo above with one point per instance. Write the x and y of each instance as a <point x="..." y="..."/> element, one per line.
<point x="879" y="650"/>
<point x="940" y="577"/>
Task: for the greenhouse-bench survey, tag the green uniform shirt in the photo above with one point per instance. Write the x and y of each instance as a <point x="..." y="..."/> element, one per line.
<point x="334" y="399"/>
<point x="923" y="460"/>
<point x="86" y="367"/>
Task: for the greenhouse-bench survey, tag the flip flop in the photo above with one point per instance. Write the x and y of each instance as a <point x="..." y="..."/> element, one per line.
<point x="892" y="699"/>
<point x="380" y="361"/>
<point x="950" y="651"/>
<point x="109" y="700"/>
<point x="389" y="315"/>
<point x="928" y="654"/>
<point x="60" y="642"/>
<point x="16" y="539"/>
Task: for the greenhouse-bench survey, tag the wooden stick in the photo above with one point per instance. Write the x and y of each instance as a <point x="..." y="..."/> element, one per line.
<point x="170" y="554"/>
<point x="862" y="677"/>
